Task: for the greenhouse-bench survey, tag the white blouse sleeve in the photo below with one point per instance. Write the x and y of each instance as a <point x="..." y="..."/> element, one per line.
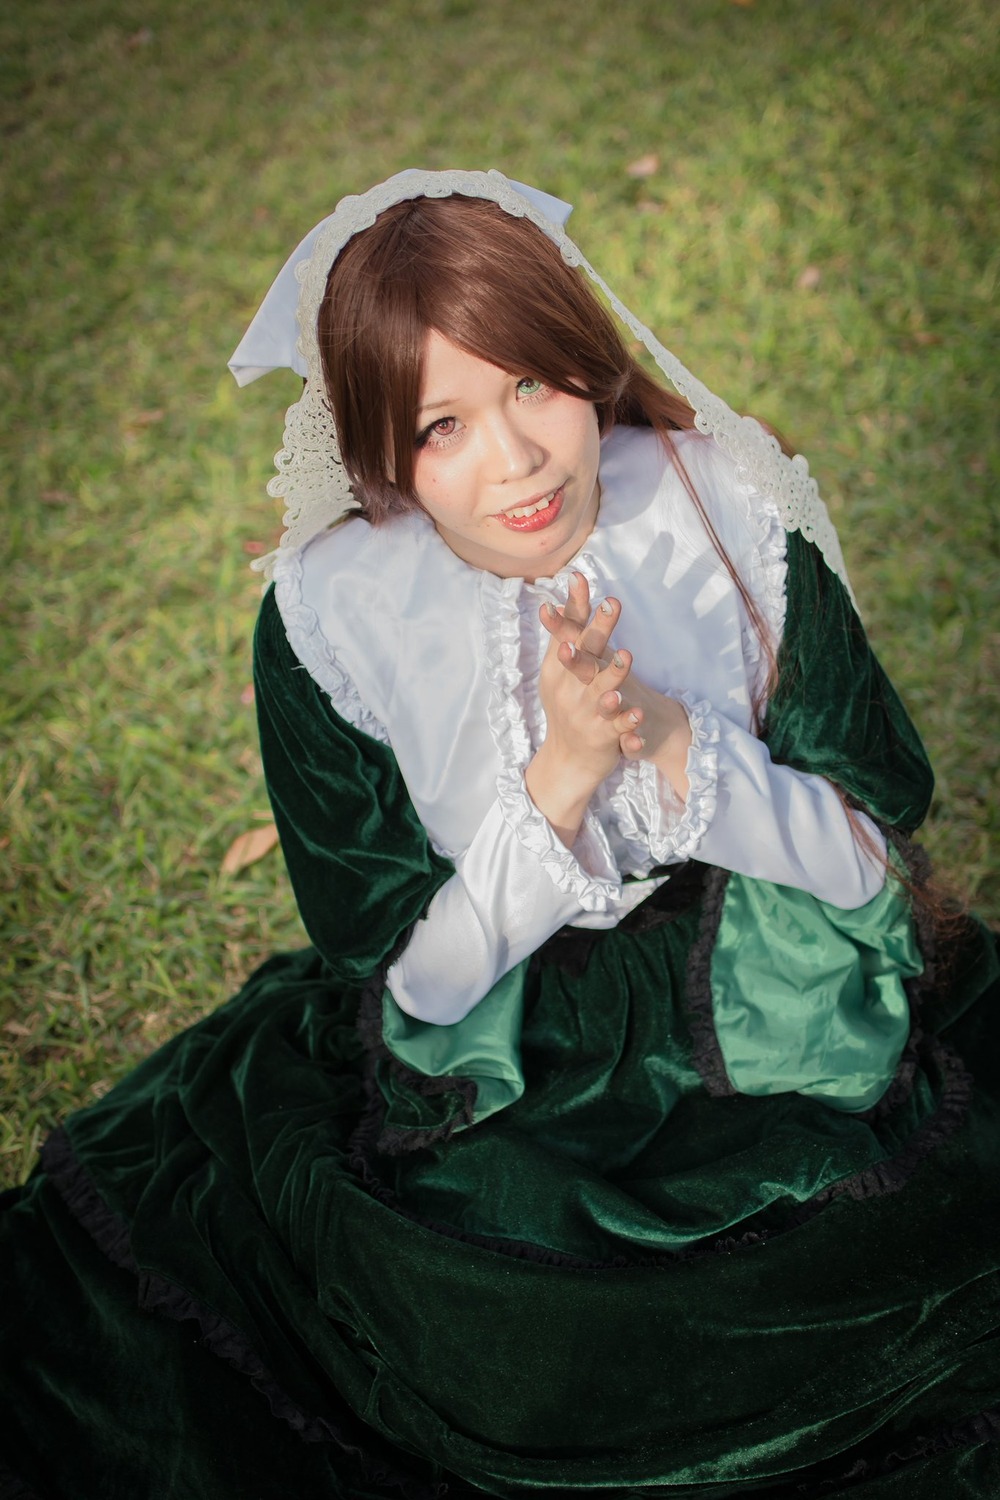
<point x="513" y="887"/>
<point x="789" y="827"/>
<point x="747" y="814"/>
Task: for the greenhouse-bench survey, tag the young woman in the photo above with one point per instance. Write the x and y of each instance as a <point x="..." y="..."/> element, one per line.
<point x="616" y="1136"/>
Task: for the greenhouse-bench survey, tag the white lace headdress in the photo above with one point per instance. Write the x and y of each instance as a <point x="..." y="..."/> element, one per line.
<point x="311" y="478"/>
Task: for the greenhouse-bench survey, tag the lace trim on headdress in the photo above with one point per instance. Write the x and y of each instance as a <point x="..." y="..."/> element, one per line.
<point x="311" y="477"/>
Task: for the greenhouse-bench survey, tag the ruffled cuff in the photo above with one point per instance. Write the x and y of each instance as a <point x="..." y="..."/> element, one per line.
<point x="588" y="873"/>
<point x="650" y="814"/>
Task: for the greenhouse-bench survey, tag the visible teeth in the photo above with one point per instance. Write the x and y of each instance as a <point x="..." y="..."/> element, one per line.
<point x="529" y="510"/>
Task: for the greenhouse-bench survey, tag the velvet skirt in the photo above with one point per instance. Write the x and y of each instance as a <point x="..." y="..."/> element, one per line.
<point x="230" y="1280"/>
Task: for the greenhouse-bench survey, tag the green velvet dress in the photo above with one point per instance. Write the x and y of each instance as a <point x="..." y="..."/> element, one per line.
<point x="581" y="1243"/>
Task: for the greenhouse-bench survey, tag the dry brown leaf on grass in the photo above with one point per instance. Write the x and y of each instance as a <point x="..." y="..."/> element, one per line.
<point x="248" y="848"/>
<point x="645" y="166"/>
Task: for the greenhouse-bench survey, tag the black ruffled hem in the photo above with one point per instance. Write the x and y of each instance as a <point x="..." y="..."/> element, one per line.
<point x="905" y="1452"/>
<point x="706" y="1051"/>
<point x="393" y="1140"/>
<point x="156" y="1294"/>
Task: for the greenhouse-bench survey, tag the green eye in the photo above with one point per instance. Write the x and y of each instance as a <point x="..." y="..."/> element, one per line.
<point x="528" y="386"/>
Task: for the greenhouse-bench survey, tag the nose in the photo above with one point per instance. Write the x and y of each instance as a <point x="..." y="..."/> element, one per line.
<point x="512" y="452"/>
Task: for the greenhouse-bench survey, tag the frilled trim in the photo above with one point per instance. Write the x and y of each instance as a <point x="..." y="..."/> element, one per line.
<point x="388" y="1139"/>
<point x="74" y="1185"/>
<point x="671" y="831"/>
<point x="767" y="580"/>
<point x="892" y="1174"/>
<point x="918" y="868"/>
<point x="591" y="892"/>
<point x="502" y="638"/>
<point x="306" y="638"/>
<point x="156" y="1294"/>
<point x="707" y="1054"/>
<point x="906" y="1451"/>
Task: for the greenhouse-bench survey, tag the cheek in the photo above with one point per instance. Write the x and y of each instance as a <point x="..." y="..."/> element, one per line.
<point x="434" y="487"/>
<point x="579" y="432"/>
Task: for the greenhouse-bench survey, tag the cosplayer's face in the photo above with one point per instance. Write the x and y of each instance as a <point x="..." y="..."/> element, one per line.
<point x="506" y="467"/>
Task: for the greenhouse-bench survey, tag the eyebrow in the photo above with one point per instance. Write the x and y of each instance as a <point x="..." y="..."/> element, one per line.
<point x="432" y="405"/>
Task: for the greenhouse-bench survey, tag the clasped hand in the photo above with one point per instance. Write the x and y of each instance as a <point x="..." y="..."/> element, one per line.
<point x="596" y="711"/>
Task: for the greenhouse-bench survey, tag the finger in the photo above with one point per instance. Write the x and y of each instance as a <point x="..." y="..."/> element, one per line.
<point x="597" y="633"/>
<point x="615" y="670"/>
<point x="632" y="745"/>
<point x="583" y="666"/>
<point x="609" y="706"/>
<point x="628" y="721"/>
<point x="555" y="622"/>
<point x="608" y="675"/>
<point x="577" y="610"/>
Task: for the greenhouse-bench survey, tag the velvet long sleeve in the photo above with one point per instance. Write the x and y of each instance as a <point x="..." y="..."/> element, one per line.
<point x="834" y="711"/>
<point x="360" y="863"/>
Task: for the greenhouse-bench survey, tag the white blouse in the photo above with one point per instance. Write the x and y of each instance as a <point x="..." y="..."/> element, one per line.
<point x="441" y="661"/>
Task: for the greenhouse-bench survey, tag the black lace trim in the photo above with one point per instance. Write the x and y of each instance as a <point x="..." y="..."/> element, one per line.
<point x="892" y="1174"/>
<point x="156" y="1294"/>
<point x="394" y="1140"/>
<point x="707" y="1054"/>
<point x="918" y="868"/>
<point x="906" y="1452"/>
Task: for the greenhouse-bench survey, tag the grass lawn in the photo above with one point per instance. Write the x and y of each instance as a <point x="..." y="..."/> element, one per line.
<point x="814" y="233"/>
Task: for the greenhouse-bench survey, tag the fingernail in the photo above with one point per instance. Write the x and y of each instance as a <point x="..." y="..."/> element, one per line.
<point x="606" y="607"/>
<point x="572" y="648"/>
<point x="549" y="609"/>
<point x="579" y="577"/>
<point x="618" y="696"/>
<point x="633" y="717"/>
<point x="617" y="660"/>
<point x="642" y="742"/>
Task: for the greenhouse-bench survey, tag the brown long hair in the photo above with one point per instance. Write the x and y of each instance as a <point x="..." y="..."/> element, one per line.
<point x="499" y="289"/>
